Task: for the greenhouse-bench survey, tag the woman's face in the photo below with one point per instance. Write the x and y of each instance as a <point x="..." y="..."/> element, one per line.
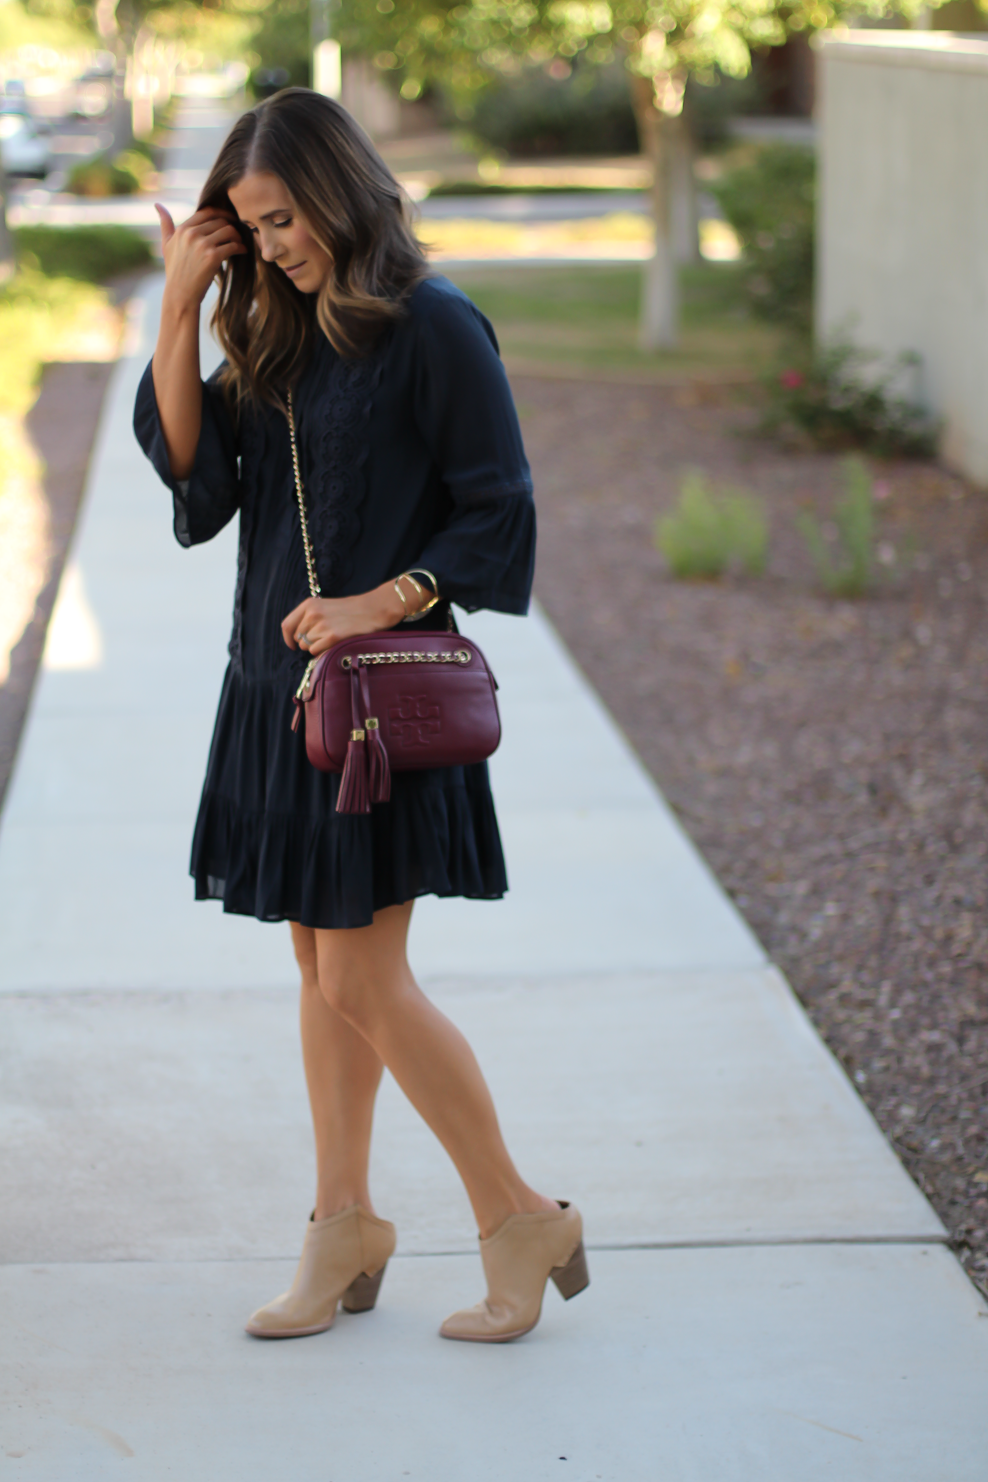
<point x="280" y="235"/>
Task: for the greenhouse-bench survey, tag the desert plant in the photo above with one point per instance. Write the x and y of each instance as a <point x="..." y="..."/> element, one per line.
<point x="845" y="572"/>
<point x="839" y="396"/>
<point x="712" y="530"/>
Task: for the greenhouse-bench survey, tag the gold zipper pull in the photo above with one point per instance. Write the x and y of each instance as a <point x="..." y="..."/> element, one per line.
<point x="306" y="677"/>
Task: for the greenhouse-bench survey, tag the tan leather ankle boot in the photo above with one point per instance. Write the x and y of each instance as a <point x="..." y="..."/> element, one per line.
<point x="519" y="1259"/>
<point x="343" y="1256"/>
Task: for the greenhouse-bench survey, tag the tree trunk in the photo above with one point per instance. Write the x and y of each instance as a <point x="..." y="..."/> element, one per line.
<point x="685" y="213"/>
<point x="117" y="27"/>
<point x="141" y="87"/>
<point x="659" y="323"/>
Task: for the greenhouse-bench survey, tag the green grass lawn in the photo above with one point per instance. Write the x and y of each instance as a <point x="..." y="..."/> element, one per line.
<point x="53" y="308"/>
<point x="584" y="319"/>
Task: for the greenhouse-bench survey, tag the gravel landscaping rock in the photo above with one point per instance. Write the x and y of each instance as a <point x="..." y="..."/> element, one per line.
<point x="828" y="757"/>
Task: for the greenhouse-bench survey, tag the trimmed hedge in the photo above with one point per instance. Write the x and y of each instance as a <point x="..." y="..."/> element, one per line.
<point x="90" y="254"/>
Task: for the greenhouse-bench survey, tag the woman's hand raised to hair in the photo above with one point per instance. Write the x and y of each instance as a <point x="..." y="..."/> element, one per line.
<point x="193" y="254"/>
<point x="194" y="251"/>
<point x="323" y="621"/>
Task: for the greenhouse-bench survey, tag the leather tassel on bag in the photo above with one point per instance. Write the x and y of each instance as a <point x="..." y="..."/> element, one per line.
<point x="379" y="770"/>
<point x="378" y="767"/>
<point x="353" y="796"/>
<point x="354" y="793"/>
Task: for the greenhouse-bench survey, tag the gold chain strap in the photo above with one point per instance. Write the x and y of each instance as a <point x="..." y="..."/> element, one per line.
<point x="310" y="563"/>
<point x="408" y="656"/>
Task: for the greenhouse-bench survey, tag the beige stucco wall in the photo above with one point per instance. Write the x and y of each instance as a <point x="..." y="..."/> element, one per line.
<point x="903" y="215"/>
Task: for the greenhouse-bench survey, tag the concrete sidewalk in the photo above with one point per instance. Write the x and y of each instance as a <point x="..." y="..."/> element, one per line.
<point x="772" y="1300"/>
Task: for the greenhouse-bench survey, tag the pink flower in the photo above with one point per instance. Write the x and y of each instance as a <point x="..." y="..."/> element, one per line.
<point x="791" y="379"/>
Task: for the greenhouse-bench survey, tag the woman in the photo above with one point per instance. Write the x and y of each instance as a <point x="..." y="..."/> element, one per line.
<point x="416" y="484"/>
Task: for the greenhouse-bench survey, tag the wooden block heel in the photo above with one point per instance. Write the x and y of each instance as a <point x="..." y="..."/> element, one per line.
<point x="574" y="1277"/>
<point x="361" y="1294"/>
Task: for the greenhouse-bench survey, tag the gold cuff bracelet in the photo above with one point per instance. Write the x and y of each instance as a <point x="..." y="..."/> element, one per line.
<point x="413" y="617"/>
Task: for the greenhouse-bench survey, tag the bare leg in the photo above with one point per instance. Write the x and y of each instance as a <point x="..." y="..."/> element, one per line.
<point x="343" y="1073"/>
<point x="365" y="978"/>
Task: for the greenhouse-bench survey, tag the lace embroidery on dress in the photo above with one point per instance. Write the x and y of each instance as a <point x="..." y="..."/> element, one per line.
<point x="341" y="485"/>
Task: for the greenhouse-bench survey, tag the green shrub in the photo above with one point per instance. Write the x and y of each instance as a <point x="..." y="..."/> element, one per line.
<point x="136" y="161"/>
<point x="123" y="175"/>
<point x="846" y="570"/>
<point x="770" y="204"/>
<point x="713" y="102"/>
<point x="841" y="397"/>
<point x="145" y="148"/>
<point x="90" y="254"/>
<point x="588" y="112"/>
<point x="709" y="532"/>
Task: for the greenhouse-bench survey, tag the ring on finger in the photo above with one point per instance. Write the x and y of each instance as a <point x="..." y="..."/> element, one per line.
<point x="302" y="638"/>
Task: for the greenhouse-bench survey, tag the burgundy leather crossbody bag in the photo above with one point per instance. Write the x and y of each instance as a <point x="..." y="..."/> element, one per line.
<point x="392" y="701"/>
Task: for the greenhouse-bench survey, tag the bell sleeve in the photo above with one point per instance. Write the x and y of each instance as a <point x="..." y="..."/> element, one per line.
<point x="210" y="497"/>
<point x="484" y="554"/>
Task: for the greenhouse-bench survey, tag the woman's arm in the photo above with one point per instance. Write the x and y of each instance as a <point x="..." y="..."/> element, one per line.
<point x="484" y="554"/>
<point x="193" y="253"/>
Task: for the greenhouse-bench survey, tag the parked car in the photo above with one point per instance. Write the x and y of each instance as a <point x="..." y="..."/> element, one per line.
<point x="22" y="147"/>
<point x="17" y="103"/>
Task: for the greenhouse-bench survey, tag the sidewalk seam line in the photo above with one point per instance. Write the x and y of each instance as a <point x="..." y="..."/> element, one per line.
<point x="420" y="1255"/>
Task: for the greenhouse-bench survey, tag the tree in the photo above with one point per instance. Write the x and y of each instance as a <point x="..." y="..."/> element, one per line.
<point x="462" y="45"/>
<point x="149" y="37"/>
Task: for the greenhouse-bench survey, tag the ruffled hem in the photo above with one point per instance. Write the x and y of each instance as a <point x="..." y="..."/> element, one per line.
<point x="268" y="842"/>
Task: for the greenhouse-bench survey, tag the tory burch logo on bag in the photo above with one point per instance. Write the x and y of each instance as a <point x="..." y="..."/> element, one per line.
<point x="414" y="721"/>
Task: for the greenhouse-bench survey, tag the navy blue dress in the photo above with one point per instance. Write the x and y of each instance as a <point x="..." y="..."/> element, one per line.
<point x="410" y="457"/>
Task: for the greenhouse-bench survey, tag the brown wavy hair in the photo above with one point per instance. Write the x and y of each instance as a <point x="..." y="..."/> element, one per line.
<point x="353" y="207"/>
